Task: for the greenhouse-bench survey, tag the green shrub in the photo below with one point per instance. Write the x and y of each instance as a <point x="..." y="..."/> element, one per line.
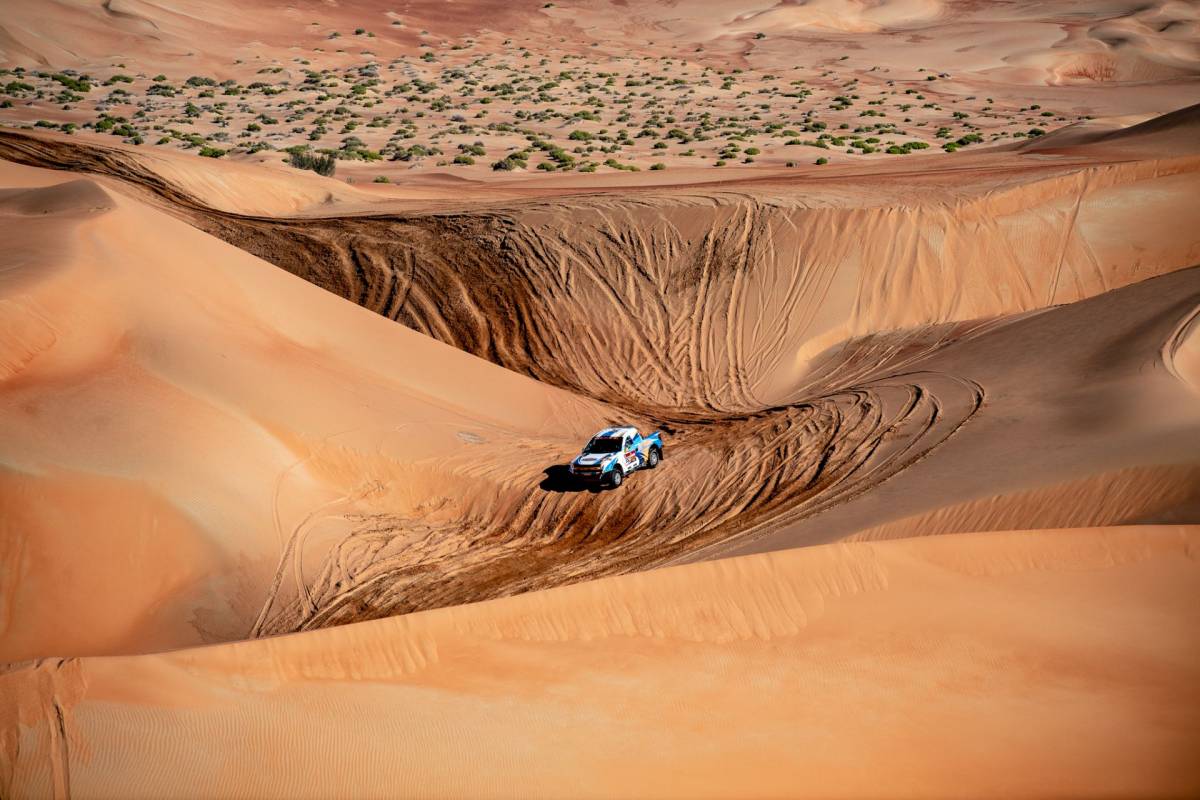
<point x="821" y="160"/>
<point x="211" y="152"/>
<point x="301" y="158"/>
<point x="74" y="84"/>
<point x="464" y="159"/>
<point x="657" y="166"/>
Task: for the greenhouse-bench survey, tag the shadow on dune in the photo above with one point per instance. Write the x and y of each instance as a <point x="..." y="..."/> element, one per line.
<point x="558" y="479"/>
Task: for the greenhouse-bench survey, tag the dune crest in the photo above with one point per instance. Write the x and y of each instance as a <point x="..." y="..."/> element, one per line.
<point x="73" y="197"/>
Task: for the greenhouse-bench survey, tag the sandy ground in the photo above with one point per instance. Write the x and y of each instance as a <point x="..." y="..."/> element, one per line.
<point x="284" y="508"/>
<point x="834" y="671"/>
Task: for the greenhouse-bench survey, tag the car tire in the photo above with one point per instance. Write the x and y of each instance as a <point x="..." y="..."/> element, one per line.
<point x="615" y="478"/>
<point x="652" y="458"/>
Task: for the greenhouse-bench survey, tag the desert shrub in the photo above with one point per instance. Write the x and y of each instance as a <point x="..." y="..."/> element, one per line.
<point x="821" y="160"/>
<point x="301" y="158"/>
<point x="74" y="84"/>
<point x="381" y="179"/>
<point x="658" y="166"/>
<point x="211" y="152"/>
<point x="200" y="80"/>
<point x="464" y="159"/>
<point x="614" y="164"/>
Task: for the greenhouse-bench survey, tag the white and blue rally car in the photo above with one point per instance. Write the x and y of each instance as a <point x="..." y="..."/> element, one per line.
<point x="614" y="453"/>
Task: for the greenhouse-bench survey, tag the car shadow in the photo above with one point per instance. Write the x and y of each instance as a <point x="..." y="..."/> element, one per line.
<point x="559" y="479"/>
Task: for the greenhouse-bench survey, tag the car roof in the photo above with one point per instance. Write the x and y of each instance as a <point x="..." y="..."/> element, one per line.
<point x="613" y="433"/>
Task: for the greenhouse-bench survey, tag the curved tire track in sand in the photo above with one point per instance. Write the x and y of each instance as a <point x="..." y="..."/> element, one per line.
<point x="757" y="471"/>
<point x="679" y="308"/>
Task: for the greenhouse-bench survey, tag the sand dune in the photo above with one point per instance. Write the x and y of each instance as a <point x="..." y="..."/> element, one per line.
<point x="156" y="410"/>
<point x="779" y="277"/>
<point x="371" y="480"/>
<point x="912" y="296"/>
<point x="1067" y="664"/>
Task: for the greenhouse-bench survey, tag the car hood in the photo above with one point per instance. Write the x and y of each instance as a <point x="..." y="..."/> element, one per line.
<point x="592" y="460"/>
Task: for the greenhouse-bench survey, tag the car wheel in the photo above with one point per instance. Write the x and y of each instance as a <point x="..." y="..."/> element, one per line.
<point x="652" y="458"/>
<point x="615" y="477"/>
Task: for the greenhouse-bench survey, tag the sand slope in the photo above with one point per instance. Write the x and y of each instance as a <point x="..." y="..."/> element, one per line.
<point x="733" y="298"/>
<point x="927" y="521"/>
<point x="194" y="410"/>
<point x="1006" y="665"/>
<point x="283" y="460"/>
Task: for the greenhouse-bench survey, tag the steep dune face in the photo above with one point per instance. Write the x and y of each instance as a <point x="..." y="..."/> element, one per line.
<point x="799" y="379"/>
<point x="688" y="305"/>
<point x="934" y="667"/>
<point x="157" y="412"/>
<point x="1181" y="353"/>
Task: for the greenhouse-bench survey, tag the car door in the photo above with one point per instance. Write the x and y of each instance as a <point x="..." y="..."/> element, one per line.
<point x="630" y="459"/>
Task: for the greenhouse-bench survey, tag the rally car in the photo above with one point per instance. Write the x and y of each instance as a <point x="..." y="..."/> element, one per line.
<point x="614" y="453"/>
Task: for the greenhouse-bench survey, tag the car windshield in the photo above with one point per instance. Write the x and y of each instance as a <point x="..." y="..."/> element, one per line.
<point x="603" y="445"/>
